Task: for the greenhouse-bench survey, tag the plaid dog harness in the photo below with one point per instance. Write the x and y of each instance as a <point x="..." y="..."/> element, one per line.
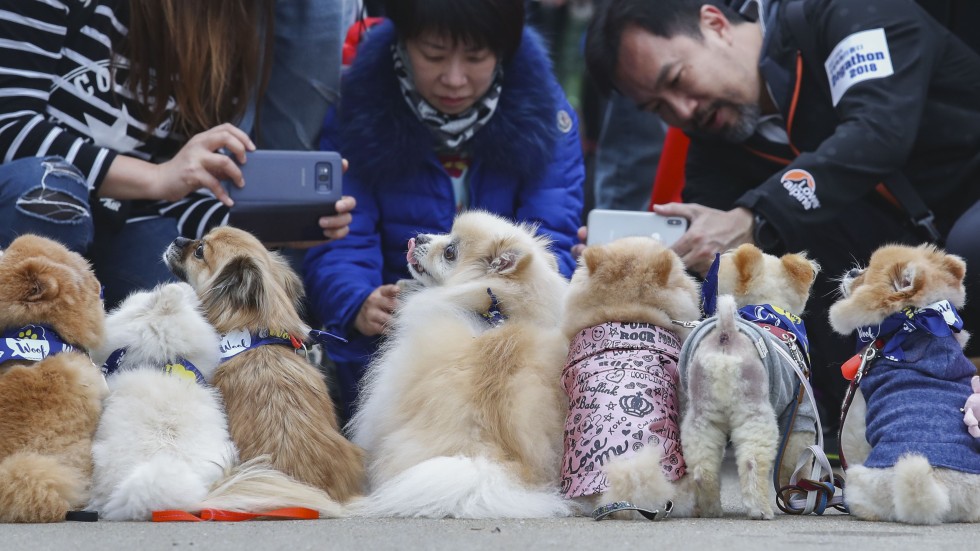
<point x="621" y="380"/>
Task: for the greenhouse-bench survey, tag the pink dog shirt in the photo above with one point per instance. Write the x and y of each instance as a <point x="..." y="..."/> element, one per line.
<point x="621" y="380"/>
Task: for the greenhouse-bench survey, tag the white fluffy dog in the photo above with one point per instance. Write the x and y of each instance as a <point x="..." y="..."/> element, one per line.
<point x="163" y="442"/>
<point x="462" y="415"/>
<point x="734" y="391"/>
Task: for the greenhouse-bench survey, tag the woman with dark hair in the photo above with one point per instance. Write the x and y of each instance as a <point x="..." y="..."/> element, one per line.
<point x="450" y="105"/>
<point x="112" y="113"/>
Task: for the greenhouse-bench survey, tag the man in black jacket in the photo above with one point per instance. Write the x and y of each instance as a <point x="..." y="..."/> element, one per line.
<point x="821" y="125"/>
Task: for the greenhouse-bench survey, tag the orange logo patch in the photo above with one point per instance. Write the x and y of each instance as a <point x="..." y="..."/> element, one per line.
<point x="801" y="186"/>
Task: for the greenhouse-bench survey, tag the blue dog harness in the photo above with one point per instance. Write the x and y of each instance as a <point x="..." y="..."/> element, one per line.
<point x="32" y="343"/>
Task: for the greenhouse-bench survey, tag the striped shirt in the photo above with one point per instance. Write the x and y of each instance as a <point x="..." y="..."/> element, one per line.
<point x="63" y="92"/>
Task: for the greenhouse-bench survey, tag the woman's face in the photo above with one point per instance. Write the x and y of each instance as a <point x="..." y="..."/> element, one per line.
<point x="451" y="76"/>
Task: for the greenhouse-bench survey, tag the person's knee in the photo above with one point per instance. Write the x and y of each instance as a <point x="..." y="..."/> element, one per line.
<point x="49" y="197"/>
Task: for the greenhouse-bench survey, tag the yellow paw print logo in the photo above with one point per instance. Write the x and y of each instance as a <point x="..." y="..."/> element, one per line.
<point x="28" y="334"/>
<point x="180" y="371"/>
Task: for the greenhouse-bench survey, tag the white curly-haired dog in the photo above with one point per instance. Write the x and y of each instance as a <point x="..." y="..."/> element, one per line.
<point x="163" y="441"/>
<point x="461" y="413"/>
<point x="732" y="392"/>
<point x="910" y="457"/>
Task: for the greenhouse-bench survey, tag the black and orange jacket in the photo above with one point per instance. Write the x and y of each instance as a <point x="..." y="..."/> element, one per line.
<point x="922" y="120"/>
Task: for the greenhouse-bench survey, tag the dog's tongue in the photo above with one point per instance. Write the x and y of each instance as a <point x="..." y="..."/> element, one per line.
<point x="411" y="250"/>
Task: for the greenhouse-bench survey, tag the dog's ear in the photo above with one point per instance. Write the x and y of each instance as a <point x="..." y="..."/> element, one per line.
<point x="509" y="261"/>
<point x="38" y="280"/>
<point x="955" y="266"/>
<point x="238" y="285"/>
<point x="291" y="282"/>
<point x="593" y="256"/>
<point x="663" y="264"/>
<point x="802" y="271"/>
<point x="748" y="262"/>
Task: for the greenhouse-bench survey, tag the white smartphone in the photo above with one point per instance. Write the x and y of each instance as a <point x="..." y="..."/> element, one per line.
<point x="286" y="193"/>
<point x="609" y="225"/>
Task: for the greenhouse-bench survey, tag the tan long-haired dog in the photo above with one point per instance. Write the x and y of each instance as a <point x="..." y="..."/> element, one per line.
<point x="462" y="414"/>
<point x="50" y="401"/>
<point x="911" y="457"/>
<point x="277" y="402"/>
<point x="622" y="440"/>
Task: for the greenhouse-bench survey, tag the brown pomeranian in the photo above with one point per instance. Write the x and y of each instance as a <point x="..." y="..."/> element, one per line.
<point x="277" y="402"/>
<point x="911" y="457"/>
<point x="622" y="434"/>
<point x="50" y="392"/>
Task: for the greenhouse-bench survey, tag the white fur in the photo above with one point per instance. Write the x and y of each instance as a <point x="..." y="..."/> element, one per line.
<point x="460" y="487"/>
<point x="162" y="441"/>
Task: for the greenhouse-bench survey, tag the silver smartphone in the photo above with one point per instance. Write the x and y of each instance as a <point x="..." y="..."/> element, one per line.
<point x="609" y="225"/>
<point x="286" y="193"/>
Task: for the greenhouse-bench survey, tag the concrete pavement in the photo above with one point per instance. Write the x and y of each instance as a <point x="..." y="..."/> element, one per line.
<point x="833" y="531"/>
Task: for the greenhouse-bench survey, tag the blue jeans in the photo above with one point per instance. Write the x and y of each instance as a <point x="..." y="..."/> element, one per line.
<point x="305" y="77"/>
<point x="48" y="196"/>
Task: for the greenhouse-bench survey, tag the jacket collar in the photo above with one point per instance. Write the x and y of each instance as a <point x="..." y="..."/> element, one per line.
<point x="383" y="140"/>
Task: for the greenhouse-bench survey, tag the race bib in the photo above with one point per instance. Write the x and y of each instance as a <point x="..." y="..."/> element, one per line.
<point x="859" y="57"/>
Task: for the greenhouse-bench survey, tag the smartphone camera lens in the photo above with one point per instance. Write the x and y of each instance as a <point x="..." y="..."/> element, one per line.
<point x="673" y="222"/>
<point x="323" y="180"/>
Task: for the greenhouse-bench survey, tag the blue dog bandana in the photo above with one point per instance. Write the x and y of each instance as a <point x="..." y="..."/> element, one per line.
<point x="709" y="289"/>
<point x="236" y="342"/>
<point x="939" y="319"/>
<point x="179" y="367"/>
<point x="32" y="343"/>
<point x="776" y="316"/>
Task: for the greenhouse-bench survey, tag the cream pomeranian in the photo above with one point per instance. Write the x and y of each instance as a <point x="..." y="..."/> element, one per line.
<point x="738" y="385"/>
<point x="163" y="440"/>
<point x="622" y="434"/>
<point x="911" y="458"/>
<point x="461" y="412"/>
<point x="276" y="400"/>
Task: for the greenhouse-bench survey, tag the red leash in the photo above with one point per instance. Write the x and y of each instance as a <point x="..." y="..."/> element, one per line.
<point x="219" y="515"/>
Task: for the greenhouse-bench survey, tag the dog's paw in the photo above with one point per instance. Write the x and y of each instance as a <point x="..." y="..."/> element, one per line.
<point x="765" y="513"/>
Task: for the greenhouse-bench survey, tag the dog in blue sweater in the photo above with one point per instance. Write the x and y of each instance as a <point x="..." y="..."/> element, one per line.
<point x="912" y="459"/>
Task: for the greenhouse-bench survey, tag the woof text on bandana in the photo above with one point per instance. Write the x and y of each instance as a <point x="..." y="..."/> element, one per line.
<point x="32" y="343"/>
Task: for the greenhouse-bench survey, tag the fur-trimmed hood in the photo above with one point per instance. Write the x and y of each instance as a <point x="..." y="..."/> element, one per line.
<point x="379" y="133"/>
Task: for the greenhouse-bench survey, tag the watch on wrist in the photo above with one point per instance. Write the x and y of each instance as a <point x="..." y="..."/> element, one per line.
<point x="765" y="235"/>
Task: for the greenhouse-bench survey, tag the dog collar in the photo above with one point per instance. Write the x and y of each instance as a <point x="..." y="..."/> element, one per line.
<point x="180" y="367"/>
<point x="32" y="343"/>
<point x="236" y="342"/>
<point x="493" y="316"/>
<point x="939" y="319"/>
<point x="768" y="314"/>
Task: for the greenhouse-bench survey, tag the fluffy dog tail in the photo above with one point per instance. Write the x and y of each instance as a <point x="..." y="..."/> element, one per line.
<point x="255" y="486"/>
<point x="919" y="497"/>
<point x="726" y="329"/>
<point x="38" y="488"/>
<point x="639" y="480"/>
<point x="460" y="487"/>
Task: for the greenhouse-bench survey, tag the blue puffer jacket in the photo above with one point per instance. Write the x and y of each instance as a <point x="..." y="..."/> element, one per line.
<point x="526" y="165"/>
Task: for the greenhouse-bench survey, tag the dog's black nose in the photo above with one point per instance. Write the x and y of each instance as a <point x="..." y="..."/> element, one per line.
<point x="422" y="239"/>
<point x="181" y="242"/>
<point x="853" y="273"/>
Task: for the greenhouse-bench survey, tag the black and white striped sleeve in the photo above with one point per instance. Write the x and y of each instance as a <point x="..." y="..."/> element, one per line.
<point x="32" y="36"/>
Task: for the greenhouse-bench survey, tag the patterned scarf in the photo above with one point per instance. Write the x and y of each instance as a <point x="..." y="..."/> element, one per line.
<point x="450" y="131"/>
<point x="939" y="319"/>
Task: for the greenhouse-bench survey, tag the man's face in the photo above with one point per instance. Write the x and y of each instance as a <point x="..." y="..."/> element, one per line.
<point x="708" y="87"/>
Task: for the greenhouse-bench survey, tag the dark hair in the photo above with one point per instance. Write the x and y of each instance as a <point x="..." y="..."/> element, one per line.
<point x="664" y="18"/>
<point x="493" y="24"/>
